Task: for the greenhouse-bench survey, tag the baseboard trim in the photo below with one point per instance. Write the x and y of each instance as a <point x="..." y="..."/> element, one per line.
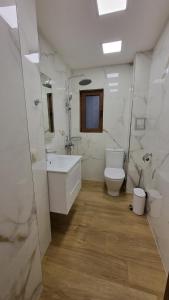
<point x="157" y="245"/>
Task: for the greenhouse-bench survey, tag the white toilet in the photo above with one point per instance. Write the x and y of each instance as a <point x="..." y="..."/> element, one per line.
<point x="114" y="173"/>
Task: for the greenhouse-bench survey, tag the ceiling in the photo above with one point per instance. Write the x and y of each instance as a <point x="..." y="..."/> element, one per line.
<point x="76" y="31"/>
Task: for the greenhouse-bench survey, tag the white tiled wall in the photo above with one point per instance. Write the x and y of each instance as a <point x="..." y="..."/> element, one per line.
<point x="151" y="94"/>
<point x="141" y="75"/>
<point x="29" y="43"/>
<point x="156" y="141"/>
<point x="52" y="65"/>
<point x="19" y="245"/>
<point x="116" y="118"/>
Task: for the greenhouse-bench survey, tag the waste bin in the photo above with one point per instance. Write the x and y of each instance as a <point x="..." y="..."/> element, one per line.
<point x="139" y="198"/>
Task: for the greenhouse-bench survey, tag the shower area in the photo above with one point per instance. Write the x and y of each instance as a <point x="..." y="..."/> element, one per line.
<point x="69" y="144"/>
<point x="115" y="82"/>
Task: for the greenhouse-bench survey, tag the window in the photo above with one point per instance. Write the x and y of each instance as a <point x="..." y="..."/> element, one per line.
<point x="50" y="112"/>
<point x="91" y="111"/>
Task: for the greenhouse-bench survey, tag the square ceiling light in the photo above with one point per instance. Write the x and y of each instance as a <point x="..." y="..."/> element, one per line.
<point x="111" y="6"/>
<point x="112" y="47"/>
<point x="8" y="13"/>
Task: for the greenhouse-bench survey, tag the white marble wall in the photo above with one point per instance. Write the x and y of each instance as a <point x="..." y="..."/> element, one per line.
<point x="19" y="245"/>
<point x="141" y="76"/>
<point x="116" y="118"/>
<point x="150" y="99"/>
<point x="52" y="65"/>
<point x="156" y="141"/>
<point x="29" y="43"/>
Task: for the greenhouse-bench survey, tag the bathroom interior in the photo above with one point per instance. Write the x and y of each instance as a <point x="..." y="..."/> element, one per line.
<point x="84" y="123"/>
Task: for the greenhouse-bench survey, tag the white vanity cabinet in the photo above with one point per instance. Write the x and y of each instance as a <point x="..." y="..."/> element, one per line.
<point x="64" y="178"/>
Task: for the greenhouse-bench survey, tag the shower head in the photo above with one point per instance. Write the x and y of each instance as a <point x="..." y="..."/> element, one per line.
<point x="85" y="81"/>
<point x="47" y="84"/>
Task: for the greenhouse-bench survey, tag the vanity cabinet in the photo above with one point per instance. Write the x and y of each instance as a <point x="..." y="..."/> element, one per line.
<point x="64" y="185"/>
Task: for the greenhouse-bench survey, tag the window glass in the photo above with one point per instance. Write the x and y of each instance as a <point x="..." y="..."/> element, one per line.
<point x="92" y="111"/>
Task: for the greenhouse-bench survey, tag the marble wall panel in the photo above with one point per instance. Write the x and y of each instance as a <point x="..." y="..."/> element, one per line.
<point x="116" y="118"/>
<point x="52" y="65"/>
<point x="30" y="44"/>
<point x="141" y="74"/>
<point x="20" y="262"/>
<point x="156" y="141"/>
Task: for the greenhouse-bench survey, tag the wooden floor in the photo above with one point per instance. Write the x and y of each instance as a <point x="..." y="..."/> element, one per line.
<point x="102" y="251"/>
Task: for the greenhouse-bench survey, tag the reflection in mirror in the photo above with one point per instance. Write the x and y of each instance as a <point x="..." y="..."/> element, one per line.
<point x="47" y="100"/>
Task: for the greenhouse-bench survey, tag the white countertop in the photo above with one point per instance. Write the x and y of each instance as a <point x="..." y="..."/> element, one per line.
<point x="61" y="163"/>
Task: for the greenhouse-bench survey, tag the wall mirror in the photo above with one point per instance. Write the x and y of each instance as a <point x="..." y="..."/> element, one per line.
<point x="47" y="101"/>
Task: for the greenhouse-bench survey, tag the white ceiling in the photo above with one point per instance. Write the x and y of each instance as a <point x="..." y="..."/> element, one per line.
<point x="75" y="30"/>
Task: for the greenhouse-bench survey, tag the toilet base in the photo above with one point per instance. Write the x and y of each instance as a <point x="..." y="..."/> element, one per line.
<point x="113" y="194"/>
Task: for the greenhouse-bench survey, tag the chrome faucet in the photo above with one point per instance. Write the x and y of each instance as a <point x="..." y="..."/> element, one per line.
<point x="68" y="145"/>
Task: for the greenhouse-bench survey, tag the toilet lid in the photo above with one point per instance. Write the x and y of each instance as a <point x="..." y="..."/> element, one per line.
<point x="114" y="173"/>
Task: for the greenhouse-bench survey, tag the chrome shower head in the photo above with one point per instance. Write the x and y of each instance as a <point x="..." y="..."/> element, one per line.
<point x="47" y="84"/>
<point x="85" y="81"/>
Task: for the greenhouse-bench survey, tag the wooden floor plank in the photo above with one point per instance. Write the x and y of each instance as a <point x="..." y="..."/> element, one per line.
<point x="102" y="251"/>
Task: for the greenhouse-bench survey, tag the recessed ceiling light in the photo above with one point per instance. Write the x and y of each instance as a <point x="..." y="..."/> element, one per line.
<point x="111" y="6"/>
<point x="33" y="57"/>
<point x="8" y="13"/>
<point x="113" y="90"/>
<point x="113" y="84"/>
<point x="112" y="47"/>
<point x="112" y="75"/>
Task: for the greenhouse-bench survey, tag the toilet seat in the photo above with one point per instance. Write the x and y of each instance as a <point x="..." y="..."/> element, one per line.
<point x="114" y="173"/>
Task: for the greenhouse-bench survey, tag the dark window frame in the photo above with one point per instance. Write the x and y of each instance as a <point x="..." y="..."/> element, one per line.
<point x="50" y="112"/>
<point x="83" y="94"/>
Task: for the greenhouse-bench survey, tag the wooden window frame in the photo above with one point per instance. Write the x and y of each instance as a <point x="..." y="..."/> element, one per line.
<point x="50" y="112"/>
<point x="83" y="94"/>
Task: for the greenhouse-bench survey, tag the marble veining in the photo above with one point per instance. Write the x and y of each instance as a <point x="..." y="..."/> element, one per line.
<point x="142" y="65"/>
<point x="20" y="262"/>
<point x="28" y="41"/>
<point x="116" y="119"/>
<point x="153" y="140"/>
<point x="156" y="139"/>
<point x="53" y="66"/>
